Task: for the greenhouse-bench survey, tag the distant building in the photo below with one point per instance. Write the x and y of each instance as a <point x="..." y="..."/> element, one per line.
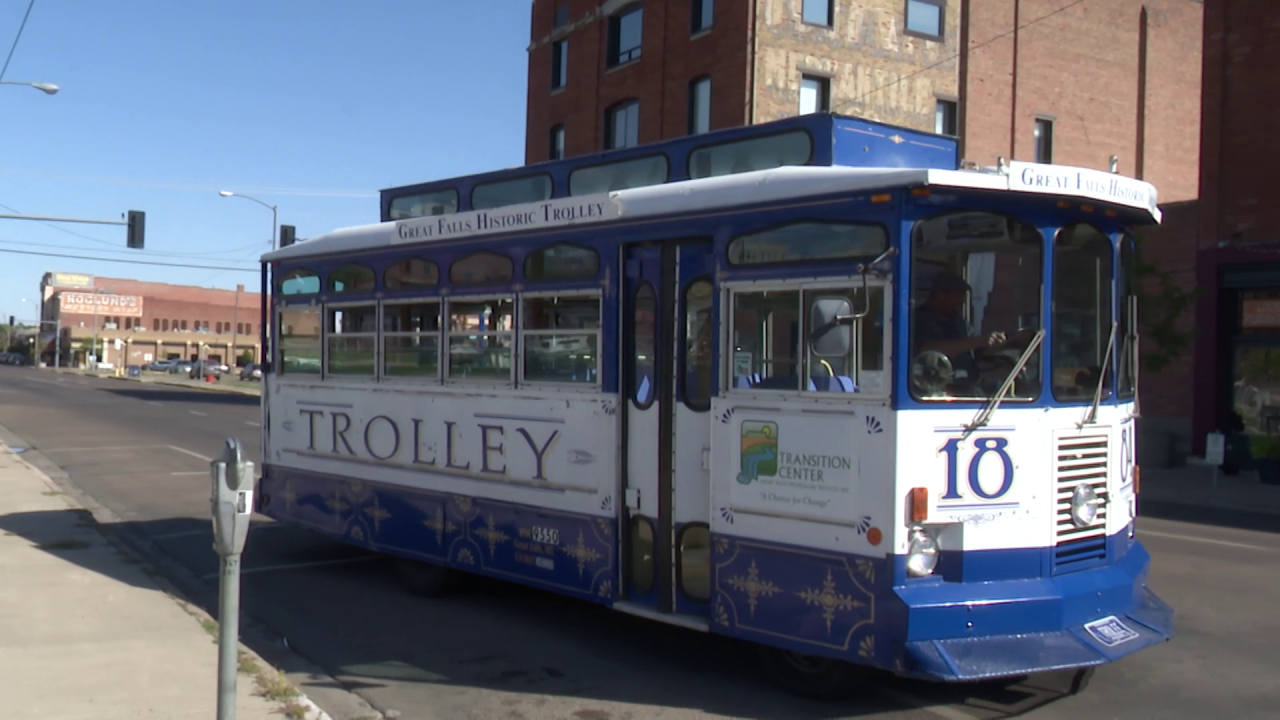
<point x="152" y="321"/>
<point x="1069" y="83"/>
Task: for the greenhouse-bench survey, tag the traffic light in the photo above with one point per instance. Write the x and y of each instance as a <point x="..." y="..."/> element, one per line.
<point x="10" y="321"/>
<point x="137" y="228"/>
<point x="286" y="235"/>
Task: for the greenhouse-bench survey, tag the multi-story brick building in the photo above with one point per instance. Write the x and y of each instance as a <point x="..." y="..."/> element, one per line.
<point x="1074" y="82"/>
<point x="152" y="321"/>
<point x="1232" y="235"/>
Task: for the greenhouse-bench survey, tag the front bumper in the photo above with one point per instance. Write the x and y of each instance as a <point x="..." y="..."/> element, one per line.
<point x="1020" y="627"/>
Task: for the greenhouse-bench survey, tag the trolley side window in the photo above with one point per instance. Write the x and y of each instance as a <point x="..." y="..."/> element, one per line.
<point x="481" y="339"/>
<point x="352" y="338"/>
<point x="560" y="337"/>
<point x="411" y="340"/>
<point x="299" y="349"/>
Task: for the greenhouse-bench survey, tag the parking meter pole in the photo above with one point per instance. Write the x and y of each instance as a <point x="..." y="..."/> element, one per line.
<point x="232" y="507"/>
<point x="228" y="636"/>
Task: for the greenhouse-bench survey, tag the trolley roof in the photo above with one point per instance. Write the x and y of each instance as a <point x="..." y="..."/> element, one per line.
<point x="727" y="192"/>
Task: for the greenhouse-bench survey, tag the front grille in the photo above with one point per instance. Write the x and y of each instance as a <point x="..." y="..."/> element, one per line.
<point x="1079" y="460"/>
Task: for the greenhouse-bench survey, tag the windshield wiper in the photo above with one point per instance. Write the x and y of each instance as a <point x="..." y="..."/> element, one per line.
<point x="1091" y="413"/>
<point x="984" y="414"/>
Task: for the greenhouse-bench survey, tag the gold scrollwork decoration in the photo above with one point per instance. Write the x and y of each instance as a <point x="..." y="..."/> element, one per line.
<point x="581" y="552"/>
<point x="753" y="586"/>
<point x="829" y="600"/>
<point x="493" y="535"/>
<point x="439" y="525"/>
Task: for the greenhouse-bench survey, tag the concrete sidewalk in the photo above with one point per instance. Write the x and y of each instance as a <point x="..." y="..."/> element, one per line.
<point x="85" y="633"/>
<point x="1194" y="486"/>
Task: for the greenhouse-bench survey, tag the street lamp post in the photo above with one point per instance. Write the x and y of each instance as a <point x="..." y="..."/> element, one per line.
<point x="47" y="88"/>
<point x="272" y="208"/>
<point x="96" y="359"/>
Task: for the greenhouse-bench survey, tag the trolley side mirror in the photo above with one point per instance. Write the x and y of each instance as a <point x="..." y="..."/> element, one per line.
<point x="831" y="319"/>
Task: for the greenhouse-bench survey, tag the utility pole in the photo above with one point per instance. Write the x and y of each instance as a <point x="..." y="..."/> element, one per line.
<point x="235" y="329"/>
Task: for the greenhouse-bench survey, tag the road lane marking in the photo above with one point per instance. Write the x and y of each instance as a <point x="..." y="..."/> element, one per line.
<point x="946" y="711"/>
<point x="254" y="424"/>
<point x="195" y="455"/>
<point x="298" y="566"/>
<point x="1210" y="541"/>
<point x="197" y="412"/>
<point x="153" y="402"/>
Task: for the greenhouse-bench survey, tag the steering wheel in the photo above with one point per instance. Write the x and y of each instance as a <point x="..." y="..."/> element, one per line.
<point x="931" y="372"/>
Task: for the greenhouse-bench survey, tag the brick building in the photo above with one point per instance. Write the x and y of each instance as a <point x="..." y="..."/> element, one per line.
<point x="1234" y="231"/>
<point x="151" y="320"/>
<point x="1072" y="82"/>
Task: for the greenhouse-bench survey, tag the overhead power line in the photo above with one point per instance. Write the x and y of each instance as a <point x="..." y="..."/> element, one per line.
<point x="16" y="38"/>
<point x="129" y="262"/>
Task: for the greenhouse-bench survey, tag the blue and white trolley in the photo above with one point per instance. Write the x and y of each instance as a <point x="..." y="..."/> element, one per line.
<point x="806" y="384"/>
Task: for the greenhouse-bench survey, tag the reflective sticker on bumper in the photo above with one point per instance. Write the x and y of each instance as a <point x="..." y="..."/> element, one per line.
<point x="1110" y="631"/>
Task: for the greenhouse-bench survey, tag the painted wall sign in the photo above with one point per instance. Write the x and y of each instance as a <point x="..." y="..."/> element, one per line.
<point x="78" y="303"/>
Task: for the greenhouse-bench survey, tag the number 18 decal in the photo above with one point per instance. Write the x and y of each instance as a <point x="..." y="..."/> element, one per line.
<point x="985" y="449"/>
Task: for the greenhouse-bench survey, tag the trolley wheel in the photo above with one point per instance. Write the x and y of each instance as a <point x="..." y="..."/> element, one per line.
<point x="422" y="578"/>
<point x="808" y="676"/>
<point x="1081" y="680"/>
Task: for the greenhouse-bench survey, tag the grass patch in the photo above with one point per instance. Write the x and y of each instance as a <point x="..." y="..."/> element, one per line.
<point x="51" y="493"/>
<point x="65" y="545"/>
<point x="294" y="711"/>
<point x="247" y="664"/>
<point x="275" y="688"/>
<point x="9" y="534"/>
<point x="211" y="627"/>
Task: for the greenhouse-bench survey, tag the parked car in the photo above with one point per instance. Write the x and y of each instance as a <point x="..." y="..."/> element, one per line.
<point x="252" y="371"/>
<point x="204" y="368"/>
<point x="180" y="366"/>
<point x="159" y="365"/>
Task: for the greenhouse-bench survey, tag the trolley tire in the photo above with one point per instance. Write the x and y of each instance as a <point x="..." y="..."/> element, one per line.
<point x="1081" y="680"/>
<point x="423" y="579"/>
<point x="810" y="677"/>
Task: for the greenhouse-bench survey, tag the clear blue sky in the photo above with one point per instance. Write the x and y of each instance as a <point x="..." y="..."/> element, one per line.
<point x="311" y="105"/>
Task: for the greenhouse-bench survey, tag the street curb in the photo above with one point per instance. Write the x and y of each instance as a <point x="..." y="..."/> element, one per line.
<point x="182" y="586"/>
<point x="208" y="387"/>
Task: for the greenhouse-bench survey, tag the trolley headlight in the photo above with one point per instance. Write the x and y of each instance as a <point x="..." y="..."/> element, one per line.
<point x="1084" y="506"/>
<point x="922" y="553"/>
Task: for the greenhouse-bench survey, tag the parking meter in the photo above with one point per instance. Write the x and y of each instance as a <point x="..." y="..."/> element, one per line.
<point x="232" y="507"/>
<point x="232" y="499"/>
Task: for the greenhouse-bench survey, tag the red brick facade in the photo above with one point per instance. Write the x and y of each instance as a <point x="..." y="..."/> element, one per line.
<point x="176" y="321"/>
<point x="1116" y="78"/>
<point x="1239" y="222"/>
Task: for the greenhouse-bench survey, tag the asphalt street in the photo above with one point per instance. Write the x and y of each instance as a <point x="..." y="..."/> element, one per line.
<point x="495" y="650"/>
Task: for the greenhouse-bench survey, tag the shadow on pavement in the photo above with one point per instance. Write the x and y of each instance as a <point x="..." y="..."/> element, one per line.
<point x="175" y="394"/>
<point x="343" y="610"/>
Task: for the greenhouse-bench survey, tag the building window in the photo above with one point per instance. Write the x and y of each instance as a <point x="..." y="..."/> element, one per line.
<point x="155" y="324"/>
<point x="164" y="325"/>
<point x="218" y="328"/>
<point x="700" y="106"/>
<point x="239" y="328"/>
<point x="1044" y="140"/>
<point x="817" y="12"/>
<point x="559" y="64"/>
<point x="625" y="36"/>
<point x="946" y="118"/>
<point x="703" y="10"/>
<point x="622" y="125"/>
<point x="556" y="149"/>
<point x="562" y="15"/>
<point x="815" y="94"/>
<point x="924" y="18"/>
<point x="184" y="325"/>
